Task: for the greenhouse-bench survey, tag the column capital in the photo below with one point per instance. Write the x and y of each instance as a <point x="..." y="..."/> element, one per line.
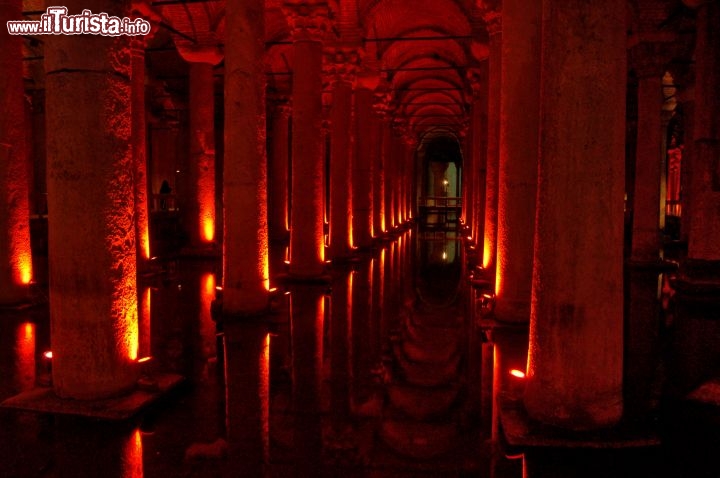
<point x="307" y="22"/>
<point x="281" y="104"/>
<point x="341" y="63"/>
<point x="649" y="59"/>
<point x="493" y="20"/>
<point x="696" y="3"/>
<point x="475" y="82"/>
<point x="191" y="53"/>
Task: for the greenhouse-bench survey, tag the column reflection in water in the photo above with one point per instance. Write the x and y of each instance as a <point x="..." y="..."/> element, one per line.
<point x="579" y="463"/>
<point x="363" y="352"/>
<point x="208" y="348"/>
<point x="116" y="451"/>
<point x="341" y="323"/>
<point x="247" y="397"/>
<point x="378" y="314"/>
<point x="25" y="357"/>
<point x="307" y="316"/>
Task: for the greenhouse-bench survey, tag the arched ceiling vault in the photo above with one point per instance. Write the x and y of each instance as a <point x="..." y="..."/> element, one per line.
<point x="422" y="50"/>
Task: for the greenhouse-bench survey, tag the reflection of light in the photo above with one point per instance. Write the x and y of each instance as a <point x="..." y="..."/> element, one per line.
<point x="446" y="182"/>
<point x="48" y="355"/>
<point x="264" y="393"/>
<point x="444" y="255"/>
<point x="25" y="363"/>
<point x="517" y="373"/>
<point x="132" y="463"/>
<point x="207" y="326"/>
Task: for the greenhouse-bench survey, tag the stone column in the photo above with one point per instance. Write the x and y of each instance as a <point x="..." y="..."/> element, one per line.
<point x="649" y="150"/>
<point x="479" y="134"/>
<point x="517" y="174"/>
<point x="278" y="219"/>
<point x="93" y="294"/>
<point x="388" y="152"/>
<point x="201" y="213"/>
<point x="379" y="176"/>
<point x="15" y="253"/>
<point x="342" y="66"/>
<point x="494" y="22"/>
<point x="307" y="239"/>
<point x="642" y="347"/>
<point x="139" y="139"/>
<point x="363" y="168"/>
<point x="245" y="254"/>
<point x="576" y="325"/>
<point x="698" y="285"/>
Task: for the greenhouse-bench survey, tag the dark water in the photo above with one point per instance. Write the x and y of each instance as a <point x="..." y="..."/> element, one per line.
<point x="389" y="371"/>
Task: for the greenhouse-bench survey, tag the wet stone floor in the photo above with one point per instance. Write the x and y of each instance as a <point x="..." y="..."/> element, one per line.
<point x="389" y="371"/>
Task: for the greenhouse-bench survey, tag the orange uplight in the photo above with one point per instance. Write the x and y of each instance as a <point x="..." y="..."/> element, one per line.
<point x="486" y="254"/>
<point x="24" y="267"/>
<point x="145" y="243"/>
<point x="517" y="373"/>
<point x="208" y="229"/>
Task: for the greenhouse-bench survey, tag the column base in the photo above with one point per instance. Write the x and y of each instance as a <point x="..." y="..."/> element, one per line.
<point x="522" y="432"/>
<point x="694" y="355"/>
<point x="642" y="365"/>
<point x="149" y="390"/>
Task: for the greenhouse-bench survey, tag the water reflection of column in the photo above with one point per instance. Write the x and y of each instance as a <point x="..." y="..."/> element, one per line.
<point x="25" y="357"/>
<point x="206" y="323"/>
<point x="247" y="397"/>
<point x="341" y="348"/>
<point x="378" y="303"/>
<point x="117" y="453"/>
<point x="307" y="314"/>
<point x="362" y="306"/>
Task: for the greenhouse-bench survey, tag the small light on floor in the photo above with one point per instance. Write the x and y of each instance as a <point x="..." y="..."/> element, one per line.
<point x="287" y="262"/>
<point x="48" y="355"/>
<point x="218" y="288"/>
<point x="272" y="289"/>
<point x="144" y="359"/>
<point x="517" y="373"/>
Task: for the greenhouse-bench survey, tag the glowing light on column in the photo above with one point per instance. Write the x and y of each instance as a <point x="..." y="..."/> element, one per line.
<point x="208" y="225"/>
<point x="486" y="254"/>
<point x="144" y="320"/>
<point x="24" y="267"/>
<point x="125" y="309"/>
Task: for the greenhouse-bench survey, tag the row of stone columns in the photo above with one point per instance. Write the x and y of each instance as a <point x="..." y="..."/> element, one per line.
<point x="553" y="209"/>
<point x="15" y="254"/>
